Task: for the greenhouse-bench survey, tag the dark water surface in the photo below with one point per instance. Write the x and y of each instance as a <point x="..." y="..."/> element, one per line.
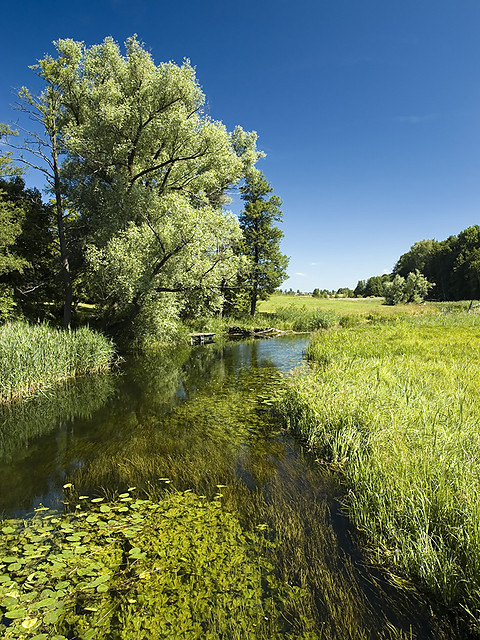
<point x="196" y="419"/>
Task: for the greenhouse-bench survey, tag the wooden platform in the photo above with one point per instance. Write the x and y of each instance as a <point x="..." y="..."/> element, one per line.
<point x="201" y="338"/>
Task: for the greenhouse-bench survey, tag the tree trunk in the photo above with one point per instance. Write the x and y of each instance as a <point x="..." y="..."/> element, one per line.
<point x="253" y="299"/>
<point x="65" y="266"/>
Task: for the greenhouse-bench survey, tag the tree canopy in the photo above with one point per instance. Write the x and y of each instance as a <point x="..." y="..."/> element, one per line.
<point x="261" y="238"/>
<point x="452" y="265"/>
<point x="140" y="176"/>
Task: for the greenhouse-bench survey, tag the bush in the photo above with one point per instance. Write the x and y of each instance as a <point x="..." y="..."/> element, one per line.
<point x="413" y="289"/>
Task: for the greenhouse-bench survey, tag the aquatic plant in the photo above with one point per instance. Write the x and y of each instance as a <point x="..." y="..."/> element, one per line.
<point x="396" y="406"/>
<point x="34" y="357"/>
<point x="178" y="568"/>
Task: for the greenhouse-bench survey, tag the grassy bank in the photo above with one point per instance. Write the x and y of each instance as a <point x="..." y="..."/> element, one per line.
<point x="397" y="407"/>
<point x="284" y="319"/>
<point x="35" y="357"/>
<point x="304" y="313"/>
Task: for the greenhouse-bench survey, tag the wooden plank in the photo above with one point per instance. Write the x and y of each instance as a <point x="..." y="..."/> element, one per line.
<point x="199" y="338"/>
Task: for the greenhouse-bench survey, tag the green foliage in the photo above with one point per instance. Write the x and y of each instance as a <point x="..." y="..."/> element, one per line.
<point x="178" y="568"/>
<point x="43" y="145"/>
<point x="147" y="170"/>
<point x="34" y="283"/>
<point x="412" y="289"/>
<point x="11" y="218"/>
<point x="7" y="167"/>
<point x="396" y="406"/>
<point x="452" y="265"/>
<point x="261" y="238"/>
<point x="158" y="322"/>
<point x="374" y="286"/>
<point x="394" y="291"/>
<point x="36" y="357"/>
<point x="139" y="176"/>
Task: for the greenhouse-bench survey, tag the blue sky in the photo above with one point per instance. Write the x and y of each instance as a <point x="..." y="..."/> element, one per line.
<point x="369" y="111"/>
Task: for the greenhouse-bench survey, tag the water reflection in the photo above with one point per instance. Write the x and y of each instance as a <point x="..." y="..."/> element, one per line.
<point x="109" y="431"/>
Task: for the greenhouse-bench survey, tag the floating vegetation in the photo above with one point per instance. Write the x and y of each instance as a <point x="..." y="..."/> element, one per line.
<point x="179" y="568"/>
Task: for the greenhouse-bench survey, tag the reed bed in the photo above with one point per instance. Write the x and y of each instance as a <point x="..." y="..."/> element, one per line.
<point x="34" y="357"/>
<point x="397" y="408"/>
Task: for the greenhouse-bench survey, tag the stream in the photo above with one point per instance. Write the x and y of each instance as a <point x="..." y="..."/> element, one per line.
<point x="200" y="419"/>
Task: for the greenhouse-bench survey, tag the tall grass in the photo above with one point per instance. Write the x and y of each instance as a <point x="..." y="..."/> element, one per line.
<point x="35" y="357"/>
<point x="306" y="319"/>
<point x="288" y="318"/>
<point x="397" y="406"/>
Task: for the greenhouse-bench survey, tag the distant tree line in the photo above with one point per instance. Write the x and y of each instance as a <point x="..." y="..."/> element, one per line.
<point x="451" y="266"/>
<point x="374" y="286"/>
<point x="342" y="292"/>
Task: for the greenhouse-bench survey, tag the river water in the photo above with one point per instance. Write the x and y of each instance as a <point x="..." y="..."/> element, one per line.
<point x="196" y="419"/>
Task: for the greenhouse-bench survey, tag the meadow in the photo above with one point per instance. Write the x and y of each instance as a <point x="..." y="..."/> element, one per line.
<point x="395" y="406"/>
<point x="340" y="306"/>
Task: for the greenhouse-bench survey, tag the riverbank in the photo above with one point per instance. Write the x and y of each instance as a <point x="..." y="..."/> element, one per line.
<point x="306" y="314"/>
<point x="196" y="421"/>
<point x="35" y="357"/>
<point x="396" y="406"/>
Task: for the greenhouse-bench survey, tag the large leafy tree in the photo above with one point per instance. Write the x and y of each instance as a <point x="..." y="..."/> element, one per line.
<point x="261" y="243"/>
<point x="147" y="171"/>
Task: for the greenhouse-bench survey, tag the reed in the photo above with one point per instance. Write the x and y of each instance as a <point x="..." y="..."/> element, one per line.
<point x="397" y="407"/>
<point x="35" y="357"/>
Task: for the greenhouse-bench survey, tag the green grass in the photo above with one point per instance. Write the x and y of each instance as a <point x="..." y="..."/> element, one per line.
<point x="36" y="357"/>
<point x="340" y="306"/>
<point x="397" y="407"/>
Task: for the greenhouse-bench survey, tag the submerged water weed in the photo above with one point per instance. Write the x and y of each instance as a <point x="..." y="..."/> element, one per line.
<point x="178" y="568"/>
<point x="398" y="407"/>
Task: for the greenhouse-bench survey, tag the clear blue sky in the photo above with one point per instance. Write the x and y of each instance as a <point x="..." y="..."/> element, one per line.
<point x="369" y="111"/>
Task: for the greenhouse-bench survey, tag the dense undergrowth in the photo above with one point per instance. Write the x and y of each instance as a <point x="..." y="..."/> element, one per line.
<point x="33" y="357"/>
<point x="397" y="406"/>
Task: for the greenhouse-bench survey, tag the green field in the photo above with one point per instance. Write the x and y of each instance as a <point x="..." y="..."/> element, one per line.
<point x="396" y="406"/>
<point x="340" y="306"/>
